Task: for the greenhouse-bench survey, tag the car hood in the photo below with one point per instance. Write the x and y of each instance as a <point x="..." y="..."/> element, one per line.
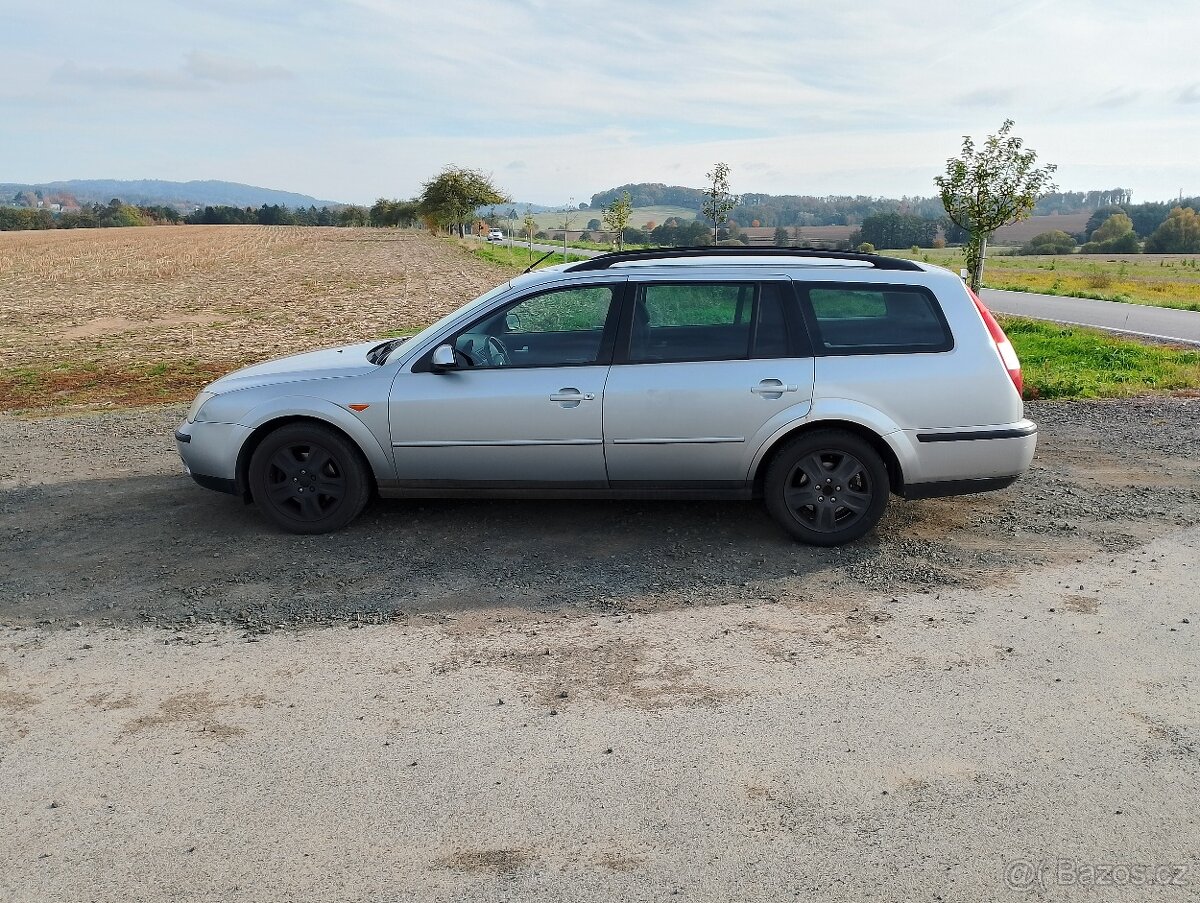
<point x="328" y="363"/>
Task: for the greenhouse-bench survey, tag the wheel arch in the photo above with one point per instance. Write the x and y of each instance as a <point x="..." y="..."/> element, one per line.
<point x="875" y="440"/>
<point x="264" y="429"/>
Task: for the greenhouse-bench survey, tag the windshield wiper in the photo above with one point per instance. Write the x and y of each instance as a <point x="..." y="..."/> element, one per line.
<point x="380" y="352"/>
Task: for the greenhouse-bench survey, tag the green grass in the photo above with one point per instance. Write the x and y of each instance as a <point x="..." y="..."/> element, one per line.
<point x="1073" y="362"/>
<point x="517" y="257"/>
<point x="1158" y="280"/>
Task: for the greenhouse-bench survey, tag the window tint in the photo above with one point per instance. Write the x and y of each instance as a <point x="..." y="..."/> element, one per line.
<point x="896" y="318"/>
<point x="551" y="329"/>
<point x="706" y="321"/>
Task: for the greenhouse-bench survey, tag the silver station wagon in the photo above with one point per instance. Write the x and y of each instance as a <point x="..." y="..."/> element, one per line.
<point x="821" y="382"/>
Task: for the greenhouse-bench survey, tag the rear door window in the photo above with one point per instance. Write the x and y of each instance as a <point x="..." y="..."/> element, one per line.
<point x="874" y="319"/>
<point x="696" y="321"/>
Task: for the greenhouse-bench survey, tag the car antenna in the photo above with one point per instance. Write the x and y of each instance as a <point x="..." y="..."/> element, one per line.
<point x="536" y="262"/>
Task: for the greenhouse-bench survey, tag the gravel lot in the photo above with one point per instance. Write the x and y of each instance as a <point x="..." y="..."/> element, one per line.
<point x="104" y="528"/>
<point x="598" y="701"/>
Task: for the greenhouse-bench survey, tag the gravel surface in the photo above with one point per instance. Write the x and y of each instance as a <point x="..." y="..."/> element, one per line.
<point x="101" y="526"/>
<point x="991" y="698"/>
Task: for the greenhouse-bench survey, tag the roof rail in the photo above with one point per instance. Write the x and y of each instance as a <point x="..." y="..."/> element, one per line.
<point x="604" y="261"/>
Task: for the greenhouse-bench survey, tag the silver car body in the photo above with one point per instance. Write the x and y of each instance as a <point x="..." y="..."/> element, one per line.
<point x="947" y="422"/>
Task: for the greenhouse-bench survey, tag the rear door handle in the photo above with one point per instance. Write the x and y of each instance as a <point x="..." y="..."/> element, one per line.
<point x="773" y="388"/>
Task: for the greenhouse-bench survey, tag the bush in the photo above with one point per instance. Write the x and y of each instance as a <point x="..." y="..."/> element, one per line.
<point x="1124" y="244"/>
<point x="732" y="243"/>
<point x="1052" y="242"/>
<point x="866" y="248"/>
<point x="539" y="234"/>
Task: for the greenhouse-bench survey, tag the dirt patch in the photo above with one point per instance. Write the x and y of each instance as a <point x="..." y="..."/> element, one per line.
<point x="487" y="862"/>
<point x="1084" y="605"/>
<point x="195" y="711"/>
<point x="16" y="701"/>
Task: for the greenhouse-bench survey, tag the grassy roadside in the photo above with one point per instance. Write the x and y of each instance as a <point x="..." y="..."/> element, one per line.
<point x="1157" y="280"/>
<point x="516" y="258"/>
<point x="97" y="384"/>
<point x="1074" y="362"/>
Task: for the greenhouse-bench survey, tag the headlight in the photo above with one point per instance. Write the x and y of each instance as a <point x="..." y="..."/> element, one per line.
<point x="201" y="399"/>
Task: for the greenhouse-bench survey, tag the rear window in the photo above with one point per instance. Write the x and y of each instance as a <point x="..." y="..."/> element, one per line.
<point x="857" y="319"/>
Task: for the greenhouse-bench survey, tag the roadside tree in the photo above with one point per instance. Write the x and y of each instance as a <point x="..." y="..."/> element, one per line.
<point x="451" y="198"/>
<point x="616" y="217"/>
<point x="991" y="186"/>
<point x="717" y="199"/>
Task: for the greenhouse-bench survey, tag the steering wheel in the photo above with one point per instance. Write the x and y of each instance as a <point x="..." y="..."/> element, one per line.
<point x="494" y="353"/>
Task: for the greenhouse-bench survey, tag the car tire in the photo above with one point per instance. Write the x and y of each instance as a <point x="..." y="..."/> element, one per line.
<point x="827" y="487"/>
<point x="308" y="478"/>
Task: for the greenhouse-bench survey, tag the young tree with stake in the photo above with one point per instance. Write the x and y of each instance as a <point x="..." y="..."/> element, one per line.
<point x="991" y="186"/>
<point x="718" y="201"/>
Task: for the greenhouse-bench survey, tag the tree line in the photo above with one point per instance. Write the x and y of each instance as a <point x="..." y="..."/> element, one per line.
<point x="1113" y="231"/>
<point x="383" y="213"/>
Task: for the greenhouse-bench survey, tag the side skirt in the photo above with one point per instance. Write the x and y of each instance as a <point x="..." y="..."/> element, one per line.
<point x="535" y="490"/>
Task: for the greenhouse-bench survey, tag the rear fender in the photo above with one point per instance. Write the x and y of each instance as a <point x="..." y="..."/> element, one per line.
<point x="833" y="411"/>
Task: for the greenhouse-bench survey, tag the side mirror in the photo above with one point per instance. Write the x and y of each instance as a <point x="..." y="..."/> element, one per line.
<point x="443" y="359"/>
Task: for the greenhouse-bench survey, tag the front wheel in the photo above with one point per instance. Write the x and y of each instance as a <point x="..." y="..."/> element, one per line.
<point x="827" y="487"/>
<point x="307" y="478"/>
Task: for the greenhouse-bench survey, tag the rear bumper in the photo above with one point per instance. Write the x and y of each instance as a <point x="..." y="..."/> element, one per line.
<point x="944" y="488"/>
<point x="968" y="455"/>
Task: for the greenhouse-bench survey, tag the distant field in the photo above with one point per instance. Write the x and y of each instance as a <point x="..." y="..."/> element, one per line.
<point x="1160" y="280"/>
<point x="143" y="315"/>
<point x="1019" y="233"/>
<point x="641" y="216"/>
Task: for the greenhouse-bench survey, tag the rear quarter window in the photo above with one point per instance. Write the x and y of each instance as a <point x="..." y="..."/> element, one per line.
<point x="876" y="319"/>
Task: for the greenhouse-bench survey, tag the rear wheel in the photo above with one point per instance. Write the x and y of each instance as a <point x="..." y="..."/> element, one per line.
<point x="307" y="478"/>
<point x="827" y="487"/>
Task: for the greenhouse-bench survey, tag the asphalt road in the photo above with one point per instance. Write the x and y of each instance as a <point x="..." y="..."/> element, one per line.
<point x="1140" y="319"/>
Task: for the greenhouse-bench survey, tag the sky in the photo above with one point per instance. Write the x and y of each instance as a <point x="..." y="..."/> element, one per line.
<point x="350" y="100"/>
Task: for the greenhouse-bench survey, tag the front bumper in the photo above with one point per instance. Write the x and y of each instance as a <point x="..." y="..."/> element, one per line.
<point x="209" y="452"/>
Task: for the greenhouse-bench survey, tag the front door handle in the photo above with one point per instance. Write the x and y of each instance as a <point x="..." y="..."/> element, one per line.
<point x="773" y="388"/>
<point x="570" y="397"/>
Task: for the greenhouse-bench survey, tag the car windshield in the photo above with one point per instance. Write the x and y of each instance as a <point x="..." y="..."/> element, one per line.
<point x="415" y="340"/>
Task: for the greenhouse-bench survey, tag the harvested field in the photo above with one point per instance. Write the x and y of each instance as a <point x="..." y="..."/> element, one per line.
<point x="150" y="314"/>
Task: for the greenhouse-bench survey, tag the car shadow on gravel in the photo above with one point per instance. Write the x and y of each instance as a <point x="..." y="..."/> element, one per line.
<point x="159" y="549"/>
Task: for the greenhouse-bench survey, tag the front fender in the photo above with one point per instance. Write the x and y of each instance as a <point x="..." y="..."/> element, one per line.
<point x="360" y="428"/>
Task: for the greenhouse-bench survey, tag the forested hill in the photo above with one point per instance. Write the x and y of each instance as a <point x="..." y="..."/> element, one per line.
<point x="153" y="192"/>
<point x="804" y="210"/>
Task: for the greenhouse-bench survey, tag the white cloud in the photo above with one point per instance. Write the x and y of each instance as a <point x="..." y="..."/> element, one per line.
<point x="364" y="97"/>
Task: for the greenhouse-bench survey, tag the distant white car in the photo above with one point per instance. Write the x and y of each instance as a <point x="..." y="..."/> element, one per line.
<point x="495" y="235"/>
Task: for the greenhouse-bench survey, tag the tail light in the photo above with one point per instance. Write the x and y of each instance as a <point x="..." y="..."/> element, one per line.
<point x="1003" y="345"/>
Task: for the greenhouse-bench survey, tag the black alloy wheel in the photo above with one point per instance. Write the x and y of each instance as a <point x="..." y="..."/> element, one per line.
<point x="827" y="487"/>
<point x="308" y="478"/>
